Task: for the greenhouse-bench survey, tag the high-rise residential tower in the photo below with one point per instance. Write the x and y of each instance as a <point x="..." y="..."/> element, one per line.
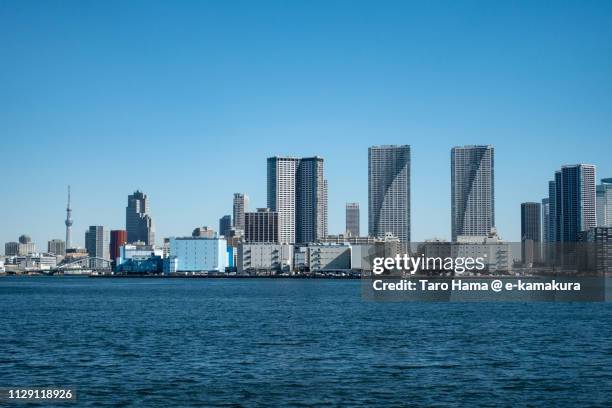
<point x="352" y="219"/>
<point x="68" y="223"/>
<point x="138" y="222"/>
<point x="572" y="201"/>
<point x="604" y="203"/>
<point x="577" y="201"/>
<point x="389" y="191"/>
<point x="297" y="191"/>
<point x="241" y="205"/>
<point x="546" y="243"/>
<point x="552" y="235"/>
<point x="472" y="191"/>
<point x="545" y="219"/>
<point x="282" y="174"/>
<point x="311" y="201"/>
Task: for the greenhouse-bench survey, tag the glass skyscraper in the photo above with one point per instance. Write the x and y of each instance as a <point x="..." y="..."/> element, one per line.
<point x="138" y="222"/>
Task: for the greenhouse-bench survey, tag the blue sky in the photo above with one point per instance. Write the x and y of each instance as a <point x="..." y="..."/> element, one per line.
<point x="185" y="100"/>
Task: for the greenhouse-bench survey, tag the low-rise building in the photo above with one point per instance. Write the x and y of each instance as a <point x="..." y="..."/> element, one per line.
<point x="497" y="253"/>
<point x="329" y="257"/>
<point x="264" y="258"/>
<point x="74" y="254"/>
<point x="596" y="251"/>
<point x="31" y="262"/>
<point x="139" y="258"/>
<point x="365" y="249"/>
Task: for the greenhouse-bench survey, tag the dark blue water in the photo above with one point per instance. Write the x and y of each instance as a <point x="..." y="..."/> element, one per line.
<point x="144" y="342"/>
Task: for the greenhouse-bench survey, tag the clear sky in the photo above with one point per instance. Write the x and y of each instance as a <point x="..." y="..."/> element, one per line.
<point x="185" y="100"/>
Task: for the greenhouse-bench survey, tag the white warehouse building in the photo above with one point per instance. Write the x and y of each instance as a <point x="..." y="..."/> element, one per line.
<point x="196" y="254"/>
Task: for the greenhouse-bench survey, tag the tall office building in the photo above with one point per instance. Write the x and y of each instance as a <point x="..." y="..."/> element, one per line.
<point x="225" y="225"/>
<point x="472" y="191"/>
<point x="604" y="203"/>
<point x="68" y="223"/>
<point x="57" y="247"/>
<point x="352" y="219"/>
<point x="118" y="238"/>
<point x="389" y="191"/>
<point x="241" y="205"/>
<point x="531" y="214"/>
<point x="261" y="226"/>
<point x="138" y="222"/>
<point x="297" y="191"/>
<point x="97" y="244"/>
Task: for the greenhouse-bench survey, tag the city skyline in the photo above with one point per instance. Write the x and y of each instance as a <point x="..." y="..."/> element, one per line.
<point x="207" y="102"/>
<point x="244" y="196"/>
